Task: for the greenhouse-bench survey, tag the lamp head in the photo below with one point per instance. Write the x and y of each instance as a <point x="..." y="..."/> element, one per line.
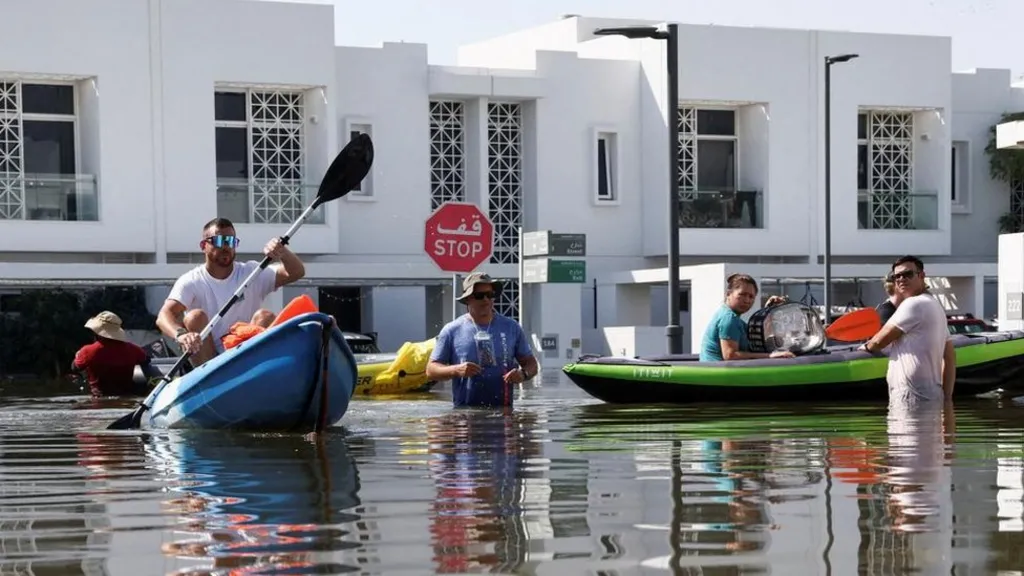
<point x="841" y="58"/>
<point x="633" y="32"/>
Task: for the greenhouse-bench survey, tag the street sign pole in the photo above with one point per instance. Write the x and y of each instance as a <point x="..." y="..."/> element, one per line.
<point x="455" y="295"/>
<point x="542" y="260"/>
<point x="519" y="284"/>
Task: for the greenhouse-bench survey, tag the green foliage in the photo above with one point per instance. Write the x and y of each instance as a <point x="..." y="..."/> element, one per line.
<point x="48" y="326"/>
<point x="128" y="302"/>
<point x="1005" y="164"/>
<point x="1009" y="223"/>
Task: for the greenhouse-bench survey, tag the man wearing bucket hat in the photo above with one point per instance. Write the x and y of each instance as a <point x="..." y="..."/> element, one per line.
<point x="109" y="362"/>
<point x="482" y="352"/>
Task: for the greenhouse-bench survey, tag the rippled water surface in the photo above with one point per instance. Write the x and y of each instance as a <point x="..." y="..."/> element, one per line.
<point x="563" y="485"/>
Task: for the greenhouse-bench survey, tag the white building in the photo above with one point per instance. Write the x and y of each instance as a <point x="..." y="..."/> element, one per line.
<point x="142" y="120"/>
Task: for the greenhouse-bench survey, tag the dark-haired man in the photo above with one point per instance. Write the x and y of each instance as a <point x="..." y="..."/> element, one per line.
<point x="922" y="360"/>
<point x="200" y="293"/>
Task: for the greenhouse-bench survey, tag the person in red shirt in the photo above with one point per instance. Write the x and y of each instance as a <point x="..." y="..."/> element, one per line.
<point x="109" y="362"/>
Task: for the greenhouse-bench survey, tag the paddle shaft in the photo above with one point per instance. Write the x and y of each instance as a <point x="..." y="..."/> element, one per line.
<point x="231" y="302"/>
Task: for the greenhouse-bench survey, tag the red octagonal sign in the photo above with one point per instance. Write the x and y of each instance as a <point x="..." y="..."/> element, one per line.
<point x="458" y="237"/>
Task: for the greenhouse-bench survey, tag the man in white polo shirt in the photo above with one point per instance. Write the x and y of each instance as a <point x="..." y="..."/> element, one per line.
<point x="922" y="360"/>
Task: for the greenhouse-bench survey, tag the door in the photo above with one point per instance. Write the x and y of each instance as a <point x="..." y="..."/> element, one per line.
<point x="345" y="304"/>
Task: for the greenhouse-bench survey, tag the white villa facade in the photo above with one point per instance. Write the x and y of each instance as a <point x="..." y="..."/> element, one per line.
<point x="140" y="121"/>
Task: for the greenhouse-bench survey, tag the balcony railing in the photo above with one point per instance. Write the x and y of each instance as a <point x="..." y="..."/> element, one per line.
<point x="272" y="202"/>
<point x="721" y="209"/>
<point x="53" y="197"/>
<point x="897" y="210"/>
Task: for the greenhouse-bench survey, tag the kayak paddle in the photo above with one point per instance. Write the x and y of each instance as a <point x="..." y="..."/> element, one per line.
<point x="856" y="326"/>
<point x="346" y="171"/>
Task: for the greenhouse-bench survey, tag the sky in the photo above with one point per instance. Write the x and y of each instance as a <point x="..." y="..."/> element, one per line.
<point x="982" y="30"/>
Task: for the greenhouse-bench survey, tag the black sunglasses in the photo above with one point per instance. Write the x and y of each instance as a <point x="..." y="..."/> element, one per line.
<point x="482" y="295"/>
<point x="905" y="275"/>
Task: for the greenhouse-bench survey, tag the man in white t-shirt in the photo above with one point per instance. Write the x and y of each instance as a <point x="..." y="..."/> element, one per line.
<point x="922" y="360"/>
<point x="201" y="292"/>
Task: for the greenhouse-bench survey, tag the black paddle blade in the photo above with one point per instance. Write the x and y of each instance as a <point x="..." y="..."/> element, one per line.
<point x="128" y="421"/>
<point x="348" y="169"/>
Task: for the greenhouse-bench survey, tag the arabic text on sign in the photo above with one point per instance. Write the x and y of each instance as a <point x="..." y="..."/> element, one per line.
<point x="475" y="230"/>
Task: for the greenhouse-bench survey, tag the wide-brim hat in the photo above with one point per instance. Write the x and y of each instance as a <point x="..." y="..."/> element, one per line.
<point x="470" y="282"/>
<point x="108" y="325"/>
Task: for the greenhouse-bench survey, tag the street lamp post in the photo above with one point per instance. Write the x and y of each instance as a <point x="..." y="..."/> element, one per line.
<point x="673" y="331"/>
<point x="829" y="61"/>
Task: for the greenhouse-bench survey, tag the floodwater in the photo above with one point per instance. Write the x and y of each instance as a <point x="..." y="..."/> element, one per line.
<point x="562" y="485"/>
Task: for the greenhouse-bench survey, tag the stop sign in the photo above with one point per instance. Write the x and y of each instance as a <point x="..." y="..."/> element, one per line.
<point x="458" y="237"/>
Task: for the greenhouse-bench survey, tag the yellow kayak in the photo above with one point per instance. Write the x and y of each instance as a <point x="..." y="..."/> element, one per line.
<point x="397" y="373"/>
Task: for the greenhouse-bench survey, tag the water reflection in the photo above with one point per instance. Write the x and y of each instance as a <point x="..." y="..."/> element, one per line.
<point x="557" y="486"/>
<point x="907" y="510"/>
<point x="258" y="503"/>
<point x="53" y="519"/>
<point x="754" y="491"/>
<point x="480" y="462"/>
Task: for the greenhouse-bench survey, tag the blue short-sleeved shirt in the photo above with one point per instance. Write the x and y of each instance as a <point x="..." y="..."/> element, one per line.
<point x="725" y="325"/>
<point x="457" y="344"/>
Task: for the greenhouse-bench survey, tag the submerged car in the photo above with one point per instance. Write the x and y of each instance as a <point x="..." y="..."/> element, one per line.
<point x="359" y="343"/>
<point x="967" y="324"/>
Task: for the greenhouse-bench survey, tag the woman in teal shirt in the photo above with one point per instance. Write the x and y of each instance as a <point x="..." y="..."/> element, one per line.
<point x="726" y="335"/>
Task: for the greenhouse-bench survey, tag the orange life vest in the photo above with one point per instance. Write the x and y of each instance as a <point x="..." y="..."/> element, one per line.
<point x="242" y="331"/>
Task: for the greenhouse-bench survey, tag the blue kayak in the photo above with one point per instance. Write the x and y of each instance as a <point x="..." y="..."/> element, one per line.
<point x="270" y="382"/>
<point x="249" y="481"/>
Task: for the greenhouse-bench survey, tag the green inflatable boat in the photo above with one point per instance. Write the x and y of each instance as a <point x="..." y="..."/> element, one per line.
<point x="986" y="361"/>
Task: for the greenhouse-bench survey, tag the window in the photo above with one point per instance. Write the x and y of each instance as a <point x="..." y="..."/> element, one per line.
<point x="716" y="150"/>
<point x="709" y="171"/>
<point x="364" y="190"/>
<point x="260" y="157"/>
<point x="714" y="144"/>
<point x="959" y="180"/>
<point x="863" y="156"/>
<point x="39" y="155"/>
<point x="606" y="163"/>
<point x="885" y="174"/>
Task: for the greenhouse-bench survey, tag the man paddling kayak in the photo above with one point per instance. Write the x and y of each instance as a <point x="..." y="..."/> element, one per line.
<point x="725" y="338"/>
<point x="200" y="293"/>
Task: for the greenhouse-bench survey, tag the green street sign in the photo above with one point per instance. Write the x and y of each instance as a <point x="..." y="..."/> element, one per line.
<point x="548" y="243"/>
<point x="549" y="271"/>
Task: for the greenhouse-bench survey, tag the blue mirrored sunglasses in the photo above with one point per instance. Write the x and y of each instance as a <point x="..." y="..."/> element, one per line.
<point x="222" y="241"/>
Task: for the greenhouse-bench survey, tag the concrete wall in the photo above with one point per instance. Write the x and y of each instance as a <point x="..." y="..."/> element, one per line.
<point x="203" y="44"/>
<point x="778" y="95"/>
<point x="388" y="226"/>
<point x="79" y="42"/>
<point x="980" y="98"/>
<point x="777" y="92"/>
<point x="1011" y="279"/>
<point x="146" y="127"/>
